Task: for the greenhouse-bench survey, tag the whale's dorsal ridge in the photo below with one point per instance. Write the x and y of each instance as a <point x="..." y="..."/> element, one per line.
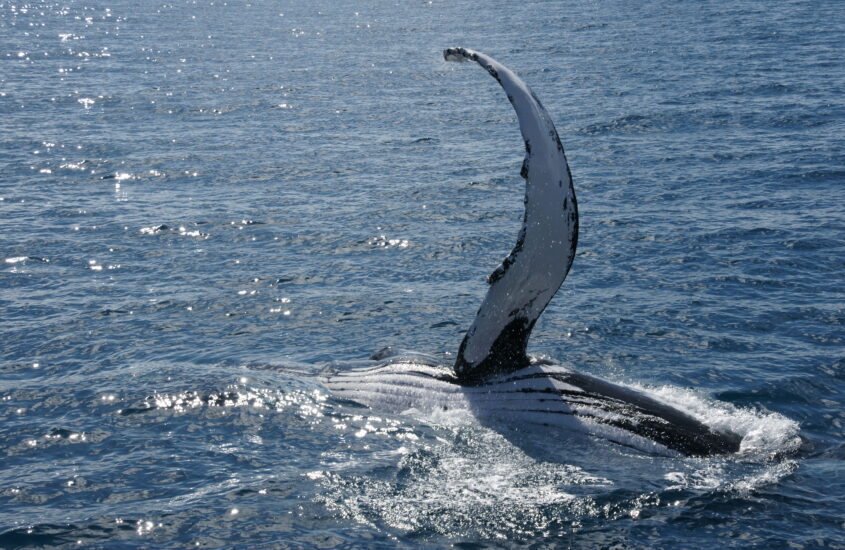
<point x="525" y="282"/>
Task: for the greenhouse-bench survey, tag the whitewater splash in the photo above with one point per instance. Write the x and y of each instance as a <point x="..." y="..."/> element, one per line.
<point x="456" y="473"/>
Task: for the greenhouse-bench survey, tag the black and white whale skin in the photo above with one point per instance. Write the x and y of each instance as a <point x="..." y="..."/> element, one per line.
<point x="493" y="376"/>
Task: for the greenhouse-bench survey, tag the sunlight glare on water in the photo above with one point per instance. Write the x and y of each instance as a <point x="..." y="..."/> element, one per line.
<point x="203" y="203"/>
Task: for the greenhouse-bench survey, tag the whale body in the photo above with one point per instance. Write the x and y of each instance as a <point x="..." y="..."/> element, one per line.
<point x="493" y="376"/>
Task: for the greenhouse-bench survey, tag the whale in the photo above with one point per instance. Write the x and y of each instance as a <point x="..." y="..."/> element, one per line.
<point x="493" y="376"/>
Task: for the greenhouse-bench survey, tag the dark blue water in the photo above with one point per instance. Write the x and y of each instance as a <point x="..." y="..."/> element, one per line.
<point x="205" y="202"/>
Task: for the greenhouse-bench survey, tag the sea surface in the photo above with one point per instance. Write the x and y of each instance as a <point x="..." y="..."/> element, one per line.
<point x="204" y="203"/>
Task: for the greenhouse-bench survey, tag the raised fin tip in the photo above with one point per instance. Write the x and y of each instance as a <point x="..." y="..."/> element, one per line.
<point x="457" y="54"/>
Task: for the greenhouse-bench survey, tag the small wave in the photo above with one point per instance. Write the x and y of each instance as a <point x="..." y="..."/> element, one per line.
<point x="628" y="124"/>
<point x="22" y="259"/>
<point x="382" y="241"/>
<point x="812" y="244"/>
<point x="180" y="230"/>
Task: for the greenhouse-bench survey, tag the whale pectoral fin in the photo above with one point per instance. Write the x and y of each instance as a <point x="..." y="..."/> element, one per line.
<point x="496" y="342"/>
<point x="507" y="353"/>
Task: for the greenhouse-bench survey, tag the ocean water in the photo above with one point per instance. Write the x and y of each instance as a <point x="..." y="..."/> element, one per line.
<point x="203" y="203"/>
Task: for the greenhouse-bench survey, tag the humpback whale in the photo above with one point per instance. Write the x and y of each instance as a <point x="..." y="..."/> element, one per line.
<point x="493" y="375"/>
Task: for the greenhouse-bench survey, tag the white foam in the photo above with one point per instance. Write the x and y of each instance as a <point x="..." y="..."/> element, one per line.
<point x="763" y="433"/>
<point x="482" y="485"/>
